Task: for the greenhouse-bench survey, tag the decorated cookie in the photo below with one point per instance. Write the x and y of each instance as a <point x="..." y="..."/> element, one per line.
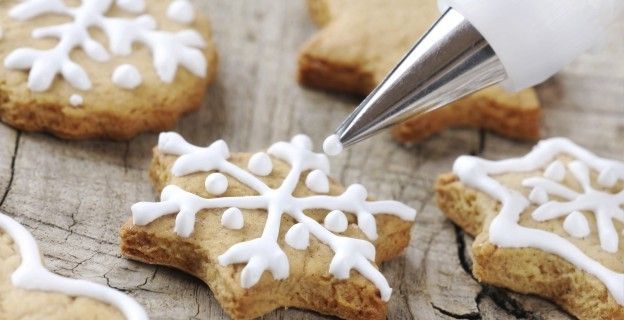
<point x="361" y="41"/>
<point x="102" y="68"/>
<point x="29" y="291"/>
<point x="268" y="230"/>
<point x="550" y="223"/>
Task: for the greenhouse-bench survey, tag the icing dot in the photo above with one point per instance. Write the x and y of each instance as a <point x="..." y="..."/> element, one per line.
<point x="260" y="164"/>
<point x="607" y="177"/>
<point x="216" y="183"/>
<point x="317" y="181"/>
<point x="336" y="221"/>
<point x="76" y="100"/>
<point x="127" y="77"/>
<point x="357" y="192"/>
<point x="302" y="141"/>
<point x="181" y="11"/>
<point x="332" y="145"/>
<point x="555" y="171"/>
<point x="538" y="196"/>
<point x="298" y="236"/>
<point x="134" y="6"/>
<point x="232" y="218"/>
<point x="576" y="225"/>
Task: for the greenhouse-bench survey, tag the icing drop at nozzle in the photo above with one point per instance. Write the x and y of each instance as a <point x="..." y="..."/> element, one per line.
<point x="332" y="145"/>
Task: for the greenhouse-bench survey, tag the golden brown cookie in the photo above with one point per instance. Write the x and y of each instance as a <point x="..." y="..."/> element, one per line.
<point x="360" y="42"/>
<point x="317" y="246"/>
<point x="29" y="291"/>
<point x="111" y="69"/>
<point x="549" y="224"/>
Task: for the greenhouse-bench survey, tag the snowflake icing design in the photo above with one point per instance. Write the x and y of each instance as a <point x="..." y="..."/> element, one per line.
<point x="605" y="206"/>
<point x="505" y="231"/>
<point x="264" y="253"/>
<point x="168" y="49"/>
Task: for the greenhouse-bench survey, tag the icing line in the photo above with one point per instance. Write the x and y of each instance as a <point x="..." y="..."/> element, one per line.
<point x="263" y="253"/>
<point x="504" y="229"/>
<point x="32" y="275"/>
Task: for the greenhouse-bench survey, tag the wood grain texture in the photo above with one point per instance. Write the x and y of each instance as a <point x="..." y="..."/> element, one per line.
<point x="74" y="196"/>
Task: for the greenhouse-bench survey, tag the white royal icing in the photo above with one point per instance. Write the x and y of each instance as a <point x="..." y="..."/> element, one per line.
<point x="169" y="49"/>
<point x="232" y="218"/>
<point x="260" y="164"/>
<point x="133" y="6"/>
<point x="216" y="183"/>
<point x="127" y="76"/>
<point x="32" y="275"/>
<point x="576" y="225"/>
<point x="181" y="11"/>
<point x="332" y="145"/>
<point x="317" y="181"/>
<point x="302" y="141"/>
<point x="264" y="253"/>
<point x="555" y="171"/>
<point x="336" y="221"/>
<point x="76" y="100"/>
<point x="298" y="236"/>
<point x="607" y="178"/>
<point x="504" y="229"/>
<point x="538" y="195"/>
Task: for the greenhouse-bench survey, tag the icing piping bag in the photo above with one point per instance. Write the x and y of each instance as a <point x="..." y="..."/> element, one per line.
<point x="475" y="44"/>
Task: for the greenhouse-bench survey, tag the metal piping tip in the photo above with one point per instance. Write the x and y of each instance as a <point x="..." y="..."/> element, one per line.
<point x="450" y="61"/>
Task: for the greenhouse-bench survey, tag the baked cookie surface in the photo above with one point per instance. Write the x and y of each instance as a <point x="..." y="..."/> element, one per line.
<point x="110" y="69"/>
<point x="361" y="41"/>
<point x="29" y="291"/>
<point x="318" y="242"/>
<point x="549" y="224"/>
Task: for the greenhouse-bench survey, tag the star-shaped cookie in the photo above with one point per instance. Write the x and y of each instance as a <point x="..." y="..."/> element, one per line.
<point x="102" y="69"/>
<point x="549" y="223"/>
<point x="268" y="230"/>
<point x="360" y="42"/>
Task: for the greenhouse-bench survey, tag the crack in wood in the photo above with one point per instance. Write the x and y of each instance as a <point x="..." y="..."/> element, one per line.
<point x="470" y="316"/>
<point x="196" y="292"/>
<point x="481" y="143"/>
<point x="465" y="263"/>
<point x="38" y="222"/>
<point x="8" y="187"/>
<point x="482" y="140"/>
<point x="499" y="296"/>
<point x="74" y="222"/>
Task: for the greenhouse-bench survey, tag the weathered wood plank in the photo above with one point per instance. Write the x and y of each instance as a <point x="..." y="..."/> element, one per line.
<point x="8" y="142"/>
<point x="75" y="195"/>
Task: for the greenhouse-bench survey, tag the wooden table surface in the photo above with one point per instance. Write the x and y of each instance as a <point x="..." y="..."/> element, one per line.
<point x="74" y="196"/>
